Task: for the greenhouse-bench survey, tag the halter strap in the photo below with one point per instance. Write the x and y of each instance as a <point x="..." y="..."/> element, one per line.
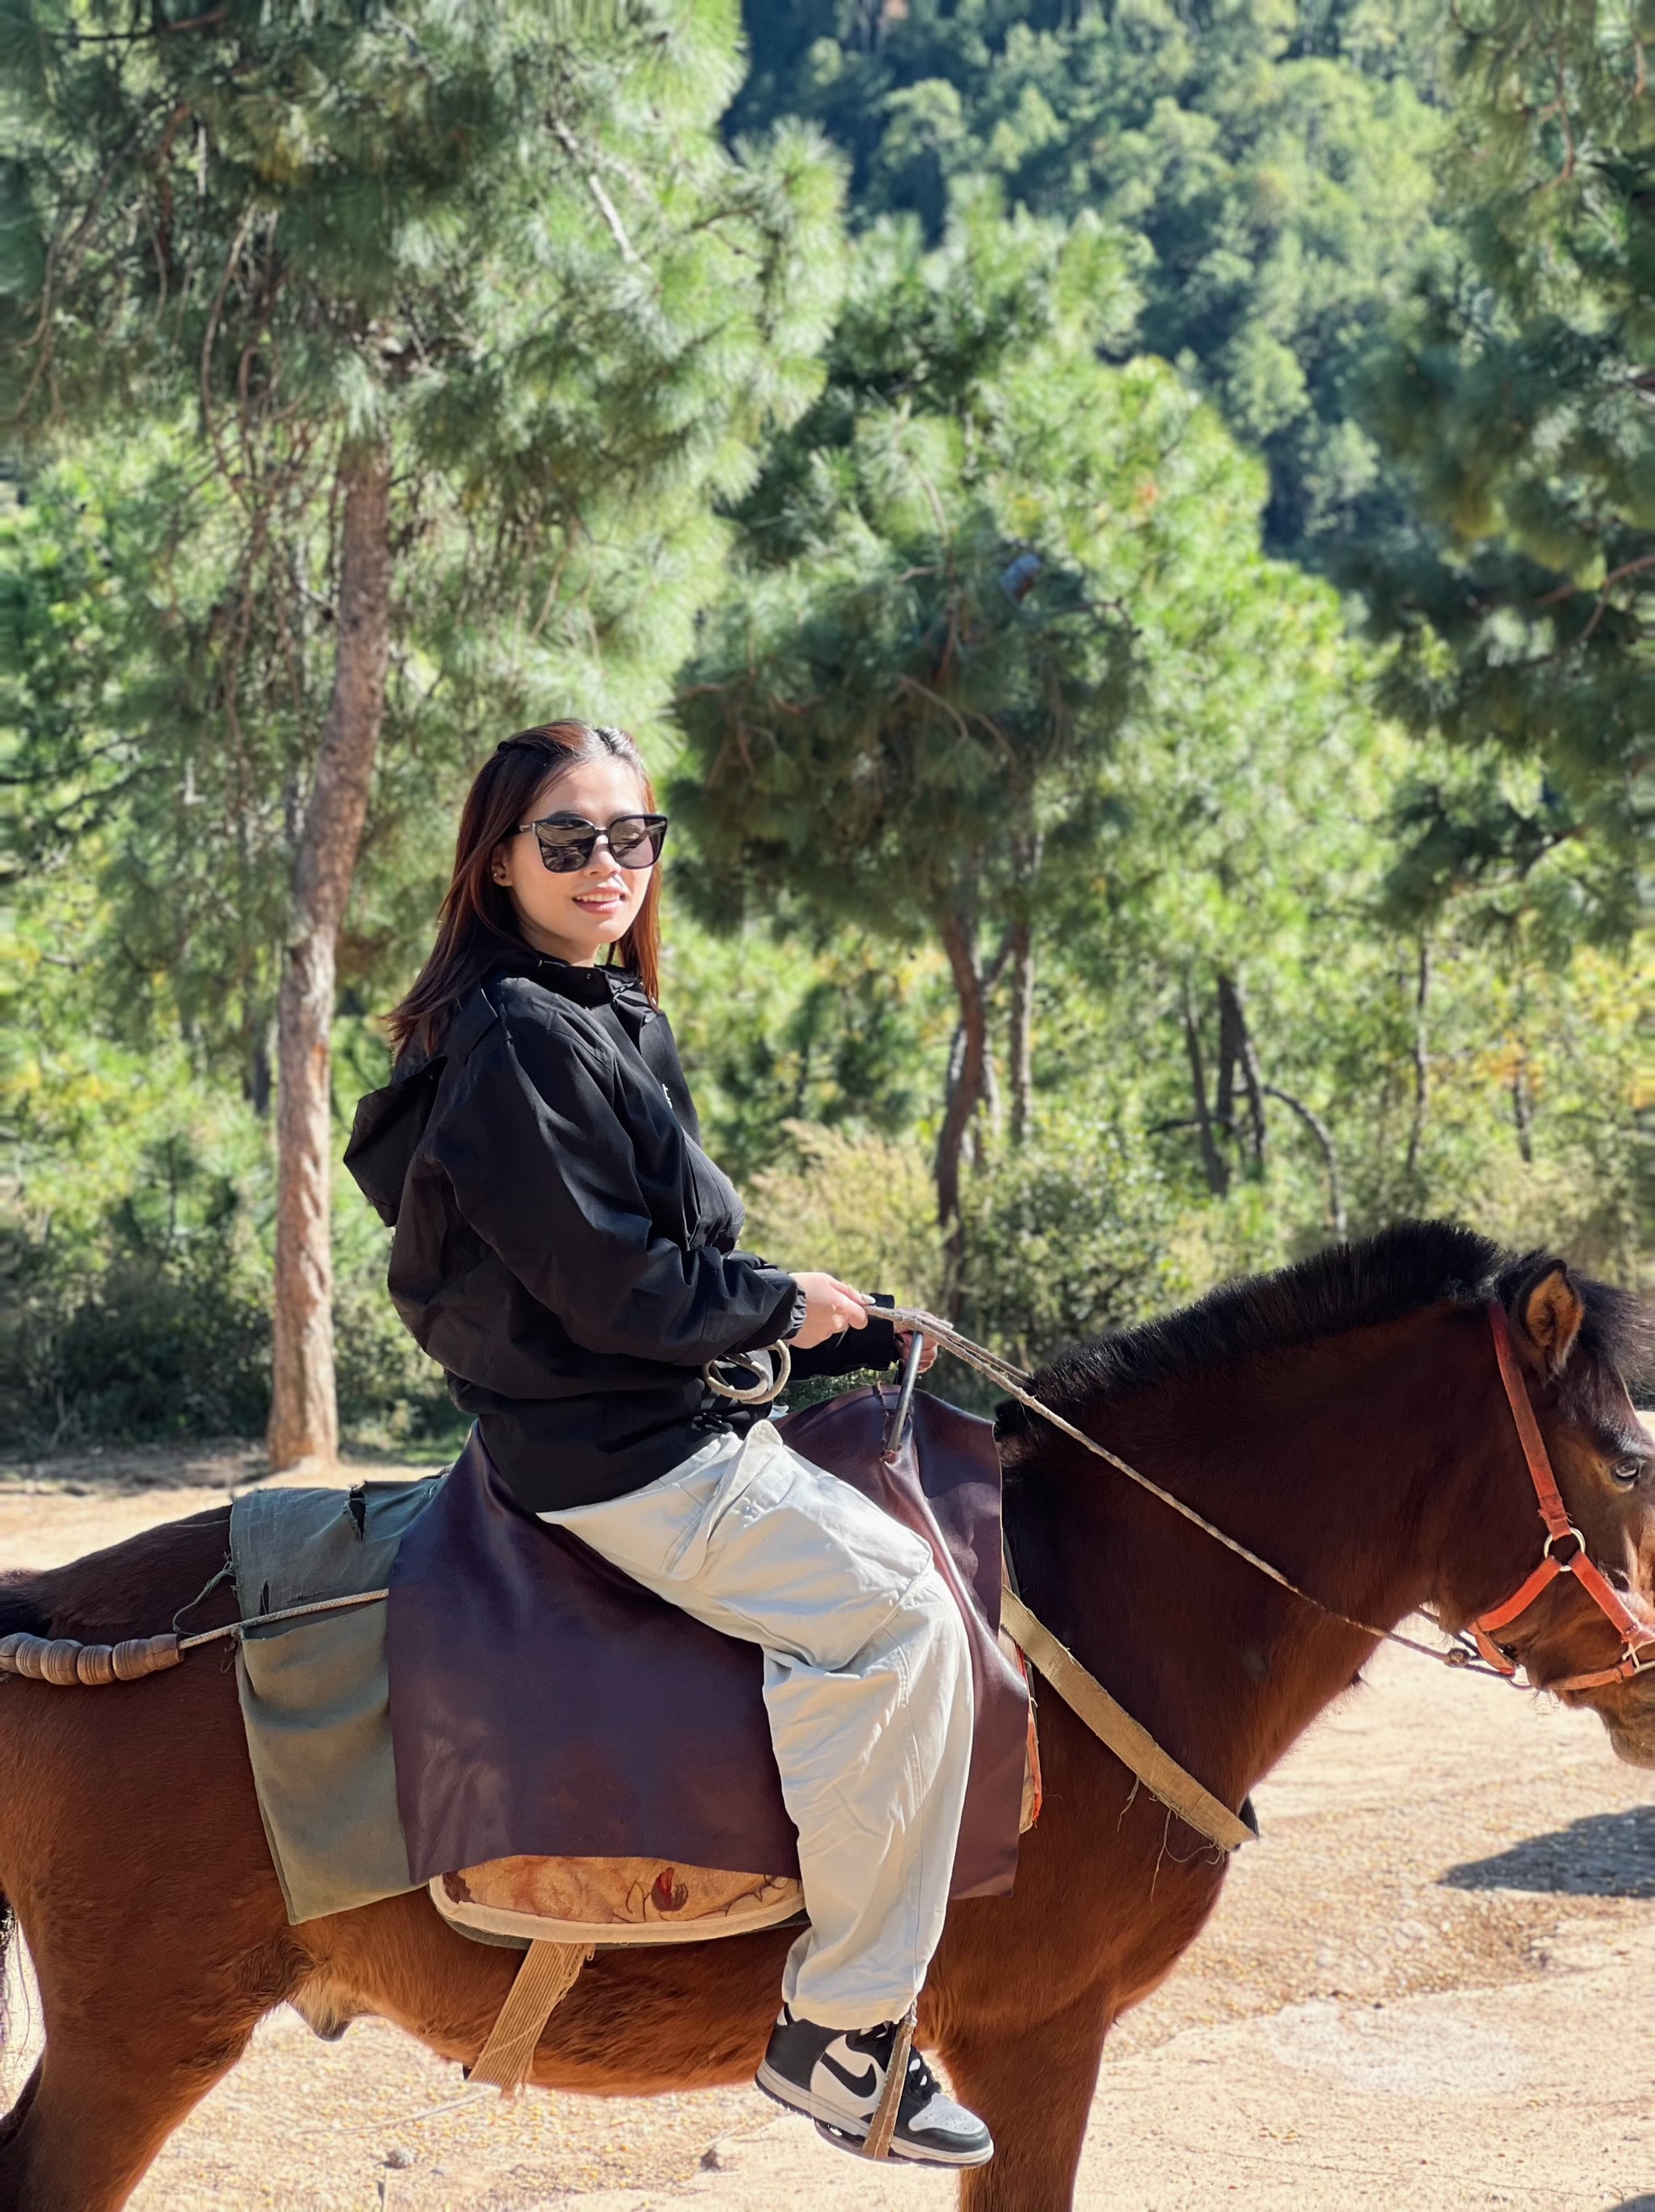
<point x="1637" y="1637"/>
<point x="1553" y="1511"/>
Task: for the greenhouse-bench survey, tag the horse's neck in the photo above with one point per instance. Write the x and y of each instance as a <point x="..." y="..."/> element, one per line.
<point x="1321" y="1459"/>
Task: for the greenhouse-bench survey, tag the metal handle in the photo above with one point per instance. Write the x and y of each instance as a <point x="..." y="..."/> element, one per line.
<point x="896" y="1426"/>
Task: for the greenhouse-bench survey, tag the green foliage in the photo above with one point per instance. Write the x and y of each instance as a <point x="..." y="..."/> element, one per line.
<point x="137" y="1221"/>
<point x="997" y="656"/>
<point x="779" y="1029"/>
<point x="861" y="1206"/>
<point x="508" y="241"/>
<point x="1071" y="1235"/>
<point x="1273" y="164"/>
<point x="1517" y="402"/>
<point x="917" y="645"/>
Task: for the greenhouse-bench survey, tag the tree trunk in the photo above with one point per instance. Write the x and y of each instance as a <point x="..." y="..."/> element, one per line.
<point x="1217" y="1172"/>
<point x="1028" y="852"/>
<point x="1022" y="1030"/>
<point x="1324" y="1136"/>
<point x="1421" y="1061"/>
<point x="959" y="943"/>
<point x="1237" y="1051"/>
<point x="304" y="1421"/>
<point x="1522" y="1111"/>
<point x="1229" y="1055"/>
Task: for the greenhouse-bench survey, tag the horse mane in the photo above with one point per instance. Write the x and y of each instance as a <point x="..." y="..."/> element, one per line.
<point x="1408" y="1266"/>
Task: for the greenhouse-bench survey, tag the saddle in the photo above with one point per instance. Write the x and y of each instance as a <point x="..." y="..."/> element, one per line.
<point x="648" y="1807"/>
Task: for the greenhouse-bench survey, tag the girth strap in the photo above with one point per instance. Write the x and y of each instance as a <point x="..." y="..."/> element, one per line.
<point x="1132" y="1743"/>
<point x="548" y="1973"/>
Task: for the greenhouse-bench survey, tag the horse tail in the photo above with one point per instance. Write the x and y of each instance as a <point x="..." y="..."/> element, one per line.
<point x="8" y="1932"/>
<point x="21" y="1612"/>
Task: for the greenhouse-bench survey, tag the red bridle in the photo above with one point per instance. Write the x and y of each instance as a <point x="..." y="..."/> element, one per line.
<point x="1637" y="1637"/>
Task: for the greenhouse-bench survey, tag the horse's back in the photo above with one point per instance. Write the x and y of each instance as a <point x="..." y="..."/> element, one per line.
<point x="131" y="1588"/>
<point x="160" y="1764"/>
<point x="82" y="1762"/>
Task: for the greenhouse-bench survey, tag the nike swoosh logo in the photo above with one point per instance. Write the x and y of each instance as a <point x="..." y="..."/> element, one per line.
<point x="863" y="2087"/>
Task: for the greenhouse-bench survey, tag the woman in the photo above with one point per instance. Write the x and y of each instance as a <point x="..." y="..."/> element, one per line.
<point x="566" y="1250"/>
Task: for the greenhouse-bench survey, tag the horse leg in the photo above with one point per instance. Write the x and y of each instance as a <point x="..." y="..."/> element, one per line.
<point x="1033" y="2084"/>
<point x="102" y="2107"/>
<point x="141" y="2020"/>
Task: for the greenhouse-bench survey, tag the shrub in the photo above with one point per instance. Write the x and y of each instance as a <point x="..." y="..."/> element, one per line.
<point x="1071" y="1235"/>
<point x="863" y="1207"/>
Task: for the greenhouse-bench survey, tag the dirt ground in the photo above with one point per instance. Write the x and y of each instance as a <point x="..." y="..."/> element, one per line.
<point x="1430" y="1988"/>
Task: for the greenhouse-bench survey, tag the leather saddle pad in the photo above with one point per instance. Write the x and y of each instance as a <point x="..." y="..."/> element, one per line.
<point x="543" y="1705"/>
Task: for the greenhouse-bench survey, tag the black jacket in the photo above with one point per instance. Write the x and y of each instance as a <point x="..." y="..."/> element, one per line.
<point x="564" y="1247"/>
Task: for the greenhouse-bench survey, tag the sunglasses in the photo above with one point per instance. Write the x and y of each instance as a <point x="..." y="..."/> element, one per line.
<point x="566" y="842"/>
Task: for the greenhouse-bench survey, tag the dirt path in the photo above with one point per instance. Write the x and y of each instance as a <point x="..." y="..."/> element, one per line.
<point x="1428" y="1989"/>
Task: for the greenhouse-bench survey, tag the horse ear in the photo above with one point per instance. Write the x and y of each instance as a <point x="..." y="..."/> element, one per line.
<point x="1549" y="1313"/>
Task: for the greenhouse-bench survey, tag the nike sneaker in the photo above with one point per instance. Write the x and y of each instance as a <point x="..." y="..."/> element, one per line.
<point x="837" y="2077"/>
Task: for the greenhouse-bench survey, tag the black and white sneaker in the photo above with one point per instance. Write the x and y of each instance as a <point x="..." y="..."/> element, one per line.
<point x="837" y="2078"/>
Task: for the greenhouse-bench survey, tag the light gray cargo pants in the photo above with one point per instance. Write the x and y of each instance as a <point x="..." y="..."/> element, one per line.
<point x="868" y="1685"/>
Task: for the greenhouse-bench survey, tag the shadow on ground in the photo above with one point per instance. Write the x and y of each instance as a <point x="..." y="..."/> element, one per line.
<point x="1604" y="1855"/>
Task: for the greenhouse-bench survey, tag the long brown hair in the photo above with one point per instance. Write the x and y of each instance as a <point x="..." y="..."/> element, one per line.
<point x="478" y="919"/>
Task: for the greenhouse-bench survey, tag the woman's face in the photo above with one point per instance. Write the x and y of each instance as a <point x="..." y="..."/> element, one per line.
<point x="574" y="915"/>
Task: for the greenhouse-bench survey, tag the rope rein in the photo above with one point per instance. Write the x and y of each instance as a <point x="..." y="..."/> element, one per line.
<point x="1463" y="1655"/>
<point x="287" y="1613"/>
<point x="66" y="1660"/>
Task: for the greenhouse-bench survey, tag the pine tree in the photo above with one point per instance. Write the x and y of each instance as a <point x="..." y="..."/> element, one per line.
<point x="1520" y="404"/>
<point x="464" y="310"/>
<point x="1273" y="162"/>
<point x="896" y="713"/>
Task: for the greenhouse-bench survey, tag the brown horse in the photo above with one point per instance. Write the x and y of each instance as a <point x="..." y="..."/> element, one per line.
<point x="1344" y="1418"/>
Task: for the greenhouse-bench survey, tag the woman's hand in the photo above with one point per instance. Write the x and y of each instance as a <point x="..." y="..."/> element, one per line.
<point x="928" y="1357"/>
<point x="831" y="1308"/>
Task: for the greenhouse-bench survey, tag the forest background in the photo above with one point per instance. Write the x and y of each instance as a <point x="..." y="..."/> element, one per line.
<point x="1128" y="532"/>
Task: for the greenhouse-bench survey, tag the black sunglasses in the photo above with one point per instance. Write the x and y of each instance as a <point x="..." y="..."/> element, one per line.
<point x="566" y="842"/>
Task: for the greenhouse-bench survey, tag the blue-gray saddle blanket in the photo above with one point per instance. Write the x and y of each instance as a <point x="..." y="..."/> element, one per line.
<point x="520" y="1696"/>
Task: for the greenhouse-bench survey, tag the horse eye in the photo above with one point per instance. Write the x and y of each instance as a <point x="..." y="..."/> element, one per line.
<point x="1626" y="1472"/>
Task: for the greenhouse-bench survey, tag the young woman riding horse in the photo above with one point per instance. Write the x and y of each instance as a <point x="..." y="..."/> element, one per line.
<point x="1346" y="1420"/>
<point x="566" y="1250"/>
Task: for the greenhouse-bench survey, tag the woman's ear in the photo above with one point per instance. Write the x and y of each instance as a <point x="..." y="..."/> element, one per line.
<point x="497" y="868"/>
<point x="1549" y="1311"/>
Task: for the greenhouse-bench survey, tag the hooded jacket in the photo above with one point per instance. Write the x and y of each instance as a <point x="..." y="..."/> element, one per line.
<point x="564" y="1247"/>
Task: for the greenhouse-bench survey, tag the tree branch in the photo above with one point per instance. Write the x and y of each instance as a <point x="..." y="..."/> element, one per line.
<point x="1324" y="1136"/>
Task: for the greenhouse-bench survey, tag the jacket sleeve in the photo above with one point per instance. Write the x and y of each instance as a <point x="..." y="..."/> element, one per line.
<point x="850" y="1351"/>
<point x="543" y="1170"/>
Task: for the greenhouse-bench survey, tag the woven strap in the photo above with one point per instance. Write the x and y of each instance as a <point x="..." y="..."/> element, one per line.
<point x="548" y="1973"/>
<point x="1132" y="1744"/>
